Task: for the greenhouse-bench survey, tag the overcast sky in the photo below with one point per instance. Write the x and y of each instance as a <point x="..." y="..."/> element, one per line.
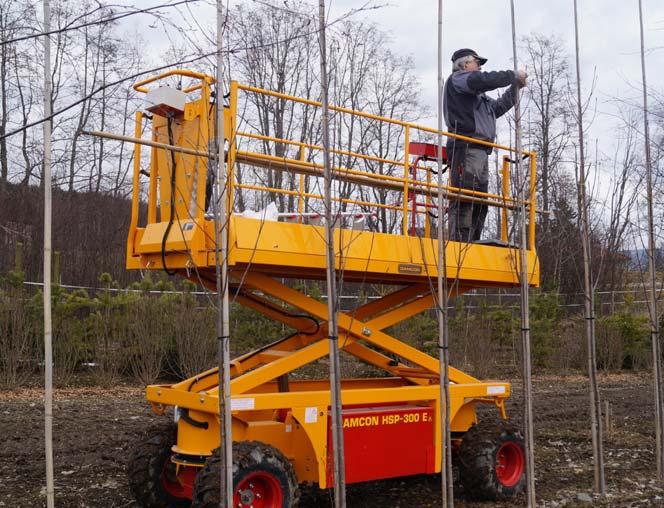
<point x="608" y="32"/>
<point x="608" y="39"/>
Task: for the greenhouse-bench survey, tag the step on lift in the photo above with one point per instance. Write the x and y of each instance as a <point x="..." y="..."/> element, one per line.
<point x="280" y="423"/>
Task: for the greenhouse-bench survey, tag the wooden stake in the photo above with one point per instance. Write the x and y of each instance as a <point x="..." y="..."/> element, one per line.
<point x="221" y="271"/>
<point x="595" y="402"/>
<point x="652" y="294"/>
<point x="447" y="480"/>
<point x="48" y="330"/>
<point x="333" y="329"/>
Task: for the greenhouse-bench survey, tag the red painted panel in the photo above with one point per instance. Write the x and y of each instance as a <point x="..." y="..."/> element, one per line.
<point x="427" y="151"/>
<point x="385" y="442"/>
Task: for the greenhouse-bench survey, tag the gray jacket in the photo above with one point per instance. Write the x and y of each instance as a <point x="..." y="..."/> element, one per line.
<point x="467" y="109"/>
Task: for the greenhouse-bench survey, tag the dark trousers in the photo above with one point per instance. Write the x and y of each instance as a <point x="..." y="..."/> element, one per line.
<point x="469" y="170"/>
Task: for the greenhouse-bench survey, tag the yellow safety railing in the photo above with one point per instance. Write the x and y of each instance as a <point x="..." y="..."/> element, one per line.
<point x="406" y="183"/>
<point x="204" y="78"/>
<point x="305" y="165"/>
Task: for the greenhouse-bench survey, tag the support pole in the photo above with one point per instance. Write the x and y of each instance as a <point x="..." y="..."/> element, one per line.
<point x="589" y="300"/>
<point x="48" y="330"/>
<point x="333" y="328"/>
<point x="447" y="481"/>
<point x="652" y="294"/>
<point x="525" y="316"/>
<point x="221" y="270"/>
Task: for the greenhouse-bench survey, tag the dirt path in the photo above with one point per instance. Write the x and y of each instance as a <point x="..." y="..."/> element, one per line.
<point x="93" y="429"/>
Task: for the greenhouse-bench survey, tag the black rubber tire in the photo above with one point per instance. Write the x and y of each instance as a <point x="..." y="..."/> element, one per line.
<point x="477" y="460"/>
<point x="248" y="457"/>
<point x="145" y="467"/>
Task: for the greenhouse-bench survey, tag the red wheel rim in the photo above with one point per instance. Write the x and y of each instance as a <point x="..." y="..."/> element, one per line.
<point x="178" y="485"/>
<point x="259" y="489"/>
<point x="510" y="463"/>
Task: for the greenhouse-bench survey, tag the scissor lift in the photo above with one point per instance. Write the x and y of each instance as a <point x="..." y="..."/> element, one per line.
<point x="281" y="423"/>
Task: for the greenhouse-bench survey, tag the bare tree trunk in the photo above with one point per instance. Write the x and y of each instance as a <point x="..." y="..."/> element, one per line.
<point x="102" y="126"/>
<point x="595" y="403"/>
<point x="25" y="116"/>
<point x="121" y="175"/>
<point x="447" y="478"/>
<point x="48" y="331"/>
<point x="221" y="268"/>
<point x="82" y="119"/>
<point x="652" y="297"/>
<point x="5" y="53"/>
<point x="524" y="276"/>
<point x="339" y="466"/>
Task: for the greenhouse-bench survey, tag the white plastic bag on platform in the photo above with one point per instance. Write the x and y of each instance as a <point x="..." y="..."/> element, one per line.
<point x="270" y="212"/>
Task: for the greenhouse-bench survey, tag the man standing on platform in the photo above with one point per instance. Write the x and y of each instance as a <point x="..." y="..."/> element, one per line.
<point x="470" y="113"/>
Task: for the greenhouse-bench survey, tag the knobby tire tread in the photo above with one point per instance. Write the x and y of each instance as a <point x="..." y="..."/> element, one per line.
<point x="145" y="466"/>
<point x="247" y="456"/>
<point x="477" y="460"/>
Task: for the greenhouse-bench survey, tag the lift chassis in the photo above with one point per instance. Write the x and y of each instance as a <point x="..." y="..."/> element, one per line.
<point x="280" y="420"/>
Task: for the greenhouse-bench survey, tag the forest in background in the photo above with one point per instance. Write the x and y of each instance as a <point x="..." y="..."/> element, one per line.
<point x="157" y="327"/>
<point x="93" y="69"/>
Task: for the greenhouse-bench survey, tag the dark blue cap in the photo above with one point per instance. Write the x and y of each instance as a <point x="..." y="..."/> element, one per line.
<point x="460" y="53"/>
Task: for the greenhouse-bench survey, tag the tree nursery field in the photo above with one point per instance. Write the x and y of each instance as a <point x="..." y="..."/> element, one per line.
<point x="94" y="430"/>
<point x="226" y="185"/>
